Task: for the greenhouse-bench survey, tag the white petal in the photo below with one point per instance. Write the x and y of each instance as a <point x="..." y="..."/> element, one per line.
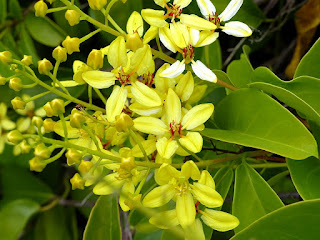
<point x="206" y="8"/>
<point x="203" y="72"/>
<point x="237" y="29"/>
<point x="194" y="36"/>
<point x="174" y="70"/>
<point x="206" y="38"/>
<point x="166" y="39"/>
<point x="230" y="10"/>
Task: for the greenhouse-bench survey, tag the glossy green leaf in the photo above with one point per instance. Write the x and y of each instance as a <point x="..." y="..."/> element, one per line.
<point x="296" y="221"/>
<point x="305" y="174"/>
<point x="309" y="64"/>
<point x="253" y="197"/>
<point x="14" y="217"/>
<point x="240" y="71"/>
<point x="148" y="236"/>
<point x="18" y="183"/>
<point x="26" y="44"/>
<point x="211" y="56"/>
<point x="251" y="118"/>
<point x="44" y="30"/>
<point x="104" y="221"/>
<point x="15" y="9"/>
<point x="301" y="93"/>
<point x="3" y="10"/>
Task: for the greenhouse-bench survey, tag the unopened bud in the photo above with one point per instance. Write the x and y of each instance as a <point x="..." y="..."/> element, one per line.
<point x="25" y="147"/>
<point x="27" y="60"/>
<point x="41" y="9"/>
<point x="37" y="122"/>
<point x="73" y="156"/>
<point x="3" y="80"/>
<point x="73" y="17"/>
<point x="18" y="103"/>
<point x="49" y="111"/>
<point x="97" y="4"/>
<point x="95" y="59"/>
<point x="42" y="152"/>
<point x="15" y="84"/>
<point x="5" y="57"/>
<point x="37" y="164"/>
<point x="77" y="119"/>
<point x="85" y="166"/>
<point x="44" y="66"/>
<point x="133" y="41"/>
<point x="60" y="54"/>
<point x="77" y="182"/>
<point x="48" y="125"/>
<point x="15" y="137"/>
<point x="71" y="44"/>
<point x="123" y="122"/>
<point x="57" y="106"/>
<point x="127" y="163"/>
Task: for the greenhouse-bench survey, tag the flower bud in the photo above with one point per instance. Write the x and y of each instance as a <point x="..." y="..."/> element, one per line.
<point x="60" y="54"/>
<point x="3" y="80"/>
<point x="95" y="59"/>
<point x="37" y="165"/>
<point x="27" y="60"/>
<point x="73" y="156"/>
<point x="44" y="66"/>
<point x="123" y="122"/>
<point x="41" y="9"/>
<point x="37" y="122"/>
<point x="5" y="57"/>
<point x="15" y="84"/>
<point x="77" y="119"/>
<point x="18" y="103"/>
<point x="73" y="17"/>
<point x="25" y="147"/>
<point x="15" y="137"/>
<point x="48" y="125"/>
<point x="97" y="4"/>
<point x="71" y="44"/>
<point x="57" y="106"/>
<point x="127" y="163"/>
<point x="77" y="182"/>
<point x="85" y="166"/>
<point x="42" y="152"/>
<point x="133" y="41"/>
<point x="49" y="111"/>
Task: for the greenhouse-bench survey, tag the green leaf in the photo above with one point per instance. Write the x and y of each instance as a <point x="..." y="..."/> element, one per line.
<point x="309" y="64"/>
<point x="296" y="221"/>
<point x="26" y="44"/>
<point x="14" y="216"/>
<point x="251" y="118"/>
<point x="56" y="224"/>
<point x="3" y="10"/>
<point x="15" y="9"/>
<point x="44" y="30"/>
<point x="305" y="174"/>
<point x="148" y="236"/>
<point x="240" y="71"/>
<point x="104" y="222"/>
<point x="253" y="197"/>
<point x="302" y="93"/>
<point x="18" y="183"/>
<point x="211" y="55"/>
<point x="176" y="234"/>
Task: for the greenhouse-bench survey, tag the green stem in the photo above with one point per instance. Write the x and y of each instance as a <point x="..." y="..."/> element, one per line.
<point x="37" y="96"/>
<point x="30" y="85"/>
<point x="90" y="94"/>
<point x="56" y="157"/>
<point x="106" y="13"/>
<point x="226" y="85"/>
<point x="91" y="34"/>
<point x="134" y="136"/>
<point x="103" y="99"/>
<point x="116" y="26"/>
<point x="58" y="9"/>
<point x="188" y="151"/>
<point x="64" y="126"/>
<point x="138" y="190"/>
<point x="93" y="137"/>
<point x="163" y="56"/>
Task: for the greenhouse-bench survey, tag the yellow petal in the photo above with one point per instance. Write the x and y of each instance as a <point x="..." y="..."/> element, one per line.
<point x="219" y="221"/>
<point x="117" y="53"/>
<point x="190" y="169"/>
<point x="185" y="87"/>
<point x="163" y="83"/>
<point x="150" y="125"/>
<point x="172" y="108"/>
<point x="182" y="3"/>
<point x="150" y="34"/>
<point x="206" y="179"/>
<point x="135" y="24"/>
<point x="166" y="173"/>
<point x="159" y="196"/>
<point x="148" y="145"/>
<point x="108" y="185"/>
<point x="180" y="34"/>
<point x="126" y="191"/>
<point x="198" y="93"/>
<point x="166" y="148"/>
<point x="206" y="195"/>
<point x="116" y="102"/>
<point x="145" y="111"/>
<point x="161" y="3"/>
<point x="166" y="38"/>
<point x="165" y="220"/>
<point x="196" y="22"/>
<point x="206" y="38"/>
<point x="237" y="29"/>
<point x="154" y="17"/>
<point x="186" y="211"/>
<point x="193" y="142"/>
<point x="99" y="79"/>
<point x="197" y="116"/>
<point x="194" y="231"/>
<point x="145" y="95"/>
<point x="141" y="61"/>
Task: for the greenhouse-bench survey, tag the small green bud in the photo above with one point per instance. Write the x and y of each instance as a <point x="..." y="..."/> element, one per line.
<point x="3" y="80"/>
<point x="77" y="119"/>
<point x="73" y="157"/>
<point x="40" y="8"/>
<point x="44" y="66"/>
<point x="25" y="147"/>
<point x="57" y="106"/>
<point x="73" y="17"/>
<point x="95" y="59"/>
<point x="71" y="44"/>
<point x="5" y="57"/>
<point x="15" y="137"/>
<point x="97" y="4"/>
<point x="60" y="54"/>
<point x="85" y="166"/>
<point x="37" y="122"/>
<point x="77" y="182"/>
<point x="123" y="122"/>
<point x="15" y="84"/>
<point x="27" y="60"/>
<point x="18" y="103"/>
<point x="36" y="164"/>
<point x="49" y="111"/>
<point x="48" y="125"/>
<point x="133" y="41"/>
<point x="42" y="152"/>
